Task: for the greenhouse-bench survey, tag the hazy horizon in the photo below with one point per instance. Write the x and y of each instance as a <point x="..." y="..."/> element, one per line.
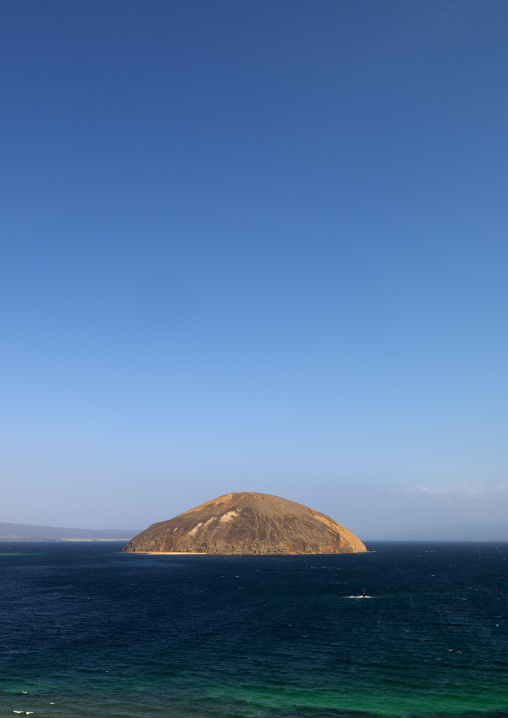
<point x="254" y="247"/>
<point x="496" y="531"/>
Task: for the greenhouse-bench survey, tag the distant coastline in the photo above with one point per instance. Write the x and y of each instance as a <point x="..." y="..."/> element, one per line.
<point x="29" y="532"/>
<point x="17" y="539"/>
<point x="478" y="531"/>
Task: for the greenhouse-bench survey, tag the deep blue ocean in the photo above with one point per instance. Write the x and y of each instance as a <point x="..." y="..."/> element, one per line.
<point x="88" y="631"/>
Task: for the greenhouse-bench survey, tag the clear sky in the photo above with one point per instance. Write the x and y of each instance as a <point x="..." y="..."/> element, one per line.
<point x="254" y="246"/>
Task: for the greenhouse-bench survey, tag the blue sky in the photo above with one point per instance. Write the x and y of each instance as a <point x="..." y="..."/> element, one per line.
<point x="254" y="246"/>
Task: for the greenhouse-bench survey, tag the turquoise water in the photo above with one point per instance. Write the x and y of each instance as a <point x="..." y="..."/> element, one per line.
<point x="89" y="631"/>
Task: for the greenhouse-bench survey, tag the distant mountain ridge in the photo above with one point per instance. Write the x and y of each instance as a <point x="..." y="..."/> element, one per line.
<point x="28" y="532"/>
<point x="480" y="531"/>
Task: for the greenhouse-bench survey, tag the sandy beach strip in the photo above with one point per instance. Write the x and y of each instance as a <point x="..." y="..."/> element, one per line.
<point x="169" y="553"/>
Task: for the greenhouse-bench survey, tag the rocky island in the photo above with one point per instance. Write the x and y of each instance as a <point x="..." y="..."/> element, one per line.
<point x="247" y="524"/>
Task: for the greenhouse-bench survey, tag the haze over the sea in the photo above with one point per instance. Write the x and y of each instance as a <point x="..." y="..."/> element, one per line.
<point x="254" y="247"/>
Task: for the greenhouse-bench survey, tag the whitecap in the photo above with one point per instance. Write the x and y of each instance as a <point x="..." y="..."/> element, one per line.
<point x="359" y="596"/>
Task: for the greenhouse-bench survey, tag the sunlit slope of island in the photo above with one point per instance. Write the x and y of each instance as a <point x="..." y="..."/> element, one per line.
<point x="247" y="523"/>
<point x="28" y="532"/>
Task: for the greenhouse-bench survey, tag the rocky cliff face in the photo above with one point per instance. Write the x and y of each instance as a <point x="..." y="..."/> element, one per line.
<point x="247" y="523"/>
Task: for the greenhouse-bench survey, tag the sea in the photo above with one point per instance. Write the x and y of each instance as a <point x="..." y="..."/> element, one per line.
<point x="86" y="630"/>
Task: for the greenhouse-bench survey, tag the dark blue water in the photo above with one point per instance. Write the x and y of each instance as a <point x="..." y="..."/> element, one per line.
<point x="88" y="631"/>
